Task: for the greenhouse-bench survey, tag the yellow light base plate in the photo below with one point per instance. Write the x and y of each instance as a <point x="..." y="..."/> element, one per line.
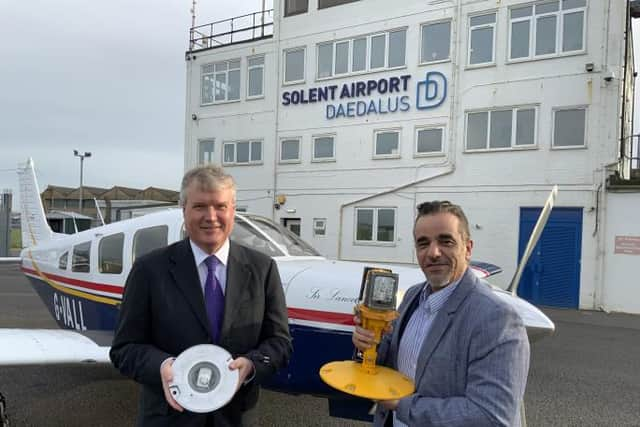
<point x="350" y="377"/>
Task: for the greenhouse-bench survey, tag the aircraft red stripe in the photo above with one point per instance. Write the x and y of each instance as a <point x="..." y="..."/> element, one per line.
<point x="294" y="313"/>
<point x="75" y="282"/>
<point x="321" y="316"/>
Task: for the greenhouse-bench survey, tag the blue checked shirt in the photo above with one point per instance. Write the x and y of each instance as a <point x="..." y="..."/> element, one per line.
<point x="417" y="329"/>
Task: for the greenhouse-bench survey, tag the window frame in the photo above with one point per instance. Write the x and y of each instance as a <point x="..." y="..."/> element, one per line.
<point x="375" y="226"/>
<point x="419" y="128"/>
<point x="74" y="253"/>
<point x="317" y="228"/>
<point x="368" y="46"/>
<point x="136" y="236"/>
<point x="514" y="117"/>
<point x="235" y="152"/>
<point x="493" y="27"/>
<point x="343" y="2"/>
<point x="252" y="67"/>
<point x="422" y="26"/>
<point x="289" y="161"/>
<point x="559" y="35"/>
<point x="553" y="127"/>
<point x="212" y="152"/>
<point x="213" y="74"/>
<point x="315" y="159"/>
<point x="304" y="65"/>
<point x="377" y="132"/>
<point x="100" y="253"/>
<point x="287" y="14"/>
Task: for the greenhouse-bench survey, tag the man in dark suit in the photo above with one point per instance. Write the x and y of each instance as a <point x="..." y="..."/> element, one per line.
<point x="201" y="290"/>
<point x="465" y="349"/>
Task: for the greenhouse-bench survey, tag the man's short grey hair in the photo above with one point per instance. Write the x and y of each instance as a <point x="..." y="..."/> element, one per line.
<point x="209" y="177"/>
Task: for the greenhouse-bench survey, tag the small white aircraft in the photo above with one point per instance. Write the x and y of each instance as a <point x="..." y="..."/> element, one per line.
<point x="80" y="278"/>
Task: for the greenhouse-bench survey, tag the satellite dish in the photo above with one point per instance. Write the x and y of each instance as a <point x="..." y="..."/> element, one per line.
<point x="202" y="381"/>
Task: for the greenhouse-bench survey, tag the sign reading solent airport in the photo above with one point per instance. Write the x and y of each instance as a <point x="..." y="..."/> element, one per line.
<point x="366" y="97"/>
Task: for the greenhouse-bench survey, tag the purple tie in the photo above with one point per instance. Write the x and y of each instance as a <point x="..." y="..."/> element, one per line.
<point x="213" y="298"/>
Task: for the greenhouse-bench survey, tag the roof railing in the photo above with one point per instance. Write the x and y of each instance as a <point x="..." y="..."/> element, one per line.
<point x="253" y="26"/>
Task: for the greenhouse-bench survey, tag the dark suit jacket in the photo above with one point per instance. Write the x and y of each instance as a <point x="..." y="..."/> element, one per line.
<point x="472" y="367"/>
<point x="163" y="313"/>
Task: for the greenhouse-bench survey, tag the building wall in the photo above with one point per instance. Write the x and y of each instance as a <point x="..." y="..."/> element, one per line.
<point x="621" y="277"/>
<point x="491" y="185"/>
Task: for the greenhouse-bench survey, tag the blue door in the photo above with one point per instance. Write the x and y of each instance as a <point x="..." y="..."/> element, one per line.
<point x="552" y="275"/>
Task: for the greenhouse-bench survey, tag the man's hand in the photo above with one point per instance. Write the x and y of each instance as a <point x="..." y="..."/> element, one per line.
<point x="245" y="368"/>
<point x="364" y="339"/>
<point x="389" y="405"/>
<point x="166" y="375"/>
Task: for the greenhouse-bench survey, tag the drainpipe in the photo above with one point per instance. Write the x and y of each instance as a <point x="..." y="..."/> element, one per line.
<point x="382" y="193"/>
<point x="276" y="36"/>
<point x="600" y="231"/>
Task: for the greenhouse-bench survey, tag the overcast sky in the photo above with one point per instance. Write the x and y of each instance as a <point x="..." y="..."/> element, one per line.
<point x="105" y="76"/>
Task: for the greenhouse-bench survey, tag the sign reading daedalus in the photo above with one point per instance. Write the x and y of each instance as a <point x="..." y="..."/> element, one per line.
<point x="366" y="97"/>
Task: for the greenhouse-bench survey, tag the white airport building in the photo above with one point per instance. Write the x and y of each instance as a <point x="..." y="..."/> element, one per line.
<point x="338" y="117"/>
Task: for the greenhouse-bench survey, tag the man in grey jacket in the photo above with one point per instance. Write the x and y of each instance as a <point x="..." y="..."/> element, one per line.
<point x="465" y="349"/>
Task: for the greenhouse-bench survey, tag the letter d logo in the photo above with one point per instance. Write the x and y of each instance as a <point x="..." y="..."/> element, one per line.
<point x="432" y="91"/>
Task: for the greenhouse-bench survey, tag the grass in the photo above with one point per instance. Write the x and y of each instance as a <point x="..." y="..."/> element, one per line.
<point x="16" y="239"/>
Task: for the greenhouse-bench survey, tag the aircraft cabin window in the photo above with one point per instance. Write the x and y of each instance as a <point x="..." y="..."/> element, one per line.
<point x="148" y="239"/>
<point x="62" y="263"/>
<point x="81" y="257"/>
<point x="110" y="254"/>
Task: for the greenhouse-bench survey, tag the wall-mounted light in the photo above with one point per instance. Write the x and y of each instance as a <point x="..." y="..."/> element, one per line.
<point x="589" y="67"/>
<point x="194" y="116"/>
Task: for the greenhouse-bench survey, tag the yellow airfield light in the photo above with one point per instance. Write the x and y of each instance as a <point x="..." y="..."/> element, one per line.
<point x="376" y="310"/>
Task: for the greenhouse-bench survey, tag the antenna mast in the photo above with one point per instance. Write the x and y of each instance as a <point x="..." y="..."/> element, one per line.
<point x="193" y="13"/>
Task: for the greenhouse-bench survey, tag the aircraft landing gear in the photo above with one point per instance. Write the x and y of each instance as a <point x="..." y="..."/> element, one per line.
<point x="4" y="420"/>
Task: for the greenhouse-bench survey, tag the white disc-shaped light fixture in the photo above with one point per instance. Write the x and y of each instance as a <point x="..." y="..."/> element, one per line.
<point x="202" y="381"/>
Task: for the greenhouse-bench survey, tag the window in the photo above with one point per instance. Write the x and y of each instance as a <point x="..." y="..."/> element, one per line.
<point x="569" y="127"/>
<point x="290" y="150"/>
<point x="365" y="53"/>
<point x="375" y="225"/>
<point x="547" y="29"/>
<point x="323" y="4"/>
<point x="295" y="7"/>
<point x="429" y="141"/>
<point x="221" y="82"/>
<point x="62" y="262"/>
<point x="319" y="226"/>
<point x="242" y="152"/>
<point x="482" y="39"/>
<point x="501" y="129"/>
<point x="436" y="41"/>
<point x="110" y="254"/>
<point x="205" y="151"/>
<point x="81" y="257"/>
<point x="255" y="76"/>
<point x="147" y="239"/>
<point x="294" y="65"/>
<point x="387" y="144"/>
<point x="323" y="148"/>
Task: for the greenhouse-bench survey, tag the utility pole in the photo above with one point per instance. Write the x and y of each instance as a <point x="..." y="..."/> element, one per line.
<point x="82" y="156"/>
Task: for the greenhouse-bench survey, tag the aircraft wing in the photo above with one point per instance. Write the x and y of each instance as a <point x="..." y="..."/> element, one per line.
<point x="48" y="346"/>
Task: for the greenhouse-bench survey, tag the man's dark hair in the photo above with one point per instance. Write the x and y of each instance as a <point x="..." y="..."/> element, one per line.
<point x="444" y="206"/>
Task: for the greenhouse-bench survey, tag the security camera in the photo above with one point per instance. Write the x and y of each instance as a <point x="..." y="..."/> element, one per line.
<point x="194" y="116"/>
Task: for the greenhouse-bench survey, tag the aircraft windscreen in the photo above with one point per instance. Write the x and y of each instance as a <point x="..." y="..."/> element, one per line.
<point x="294" y="245"/>
<point x="248" y="236"/>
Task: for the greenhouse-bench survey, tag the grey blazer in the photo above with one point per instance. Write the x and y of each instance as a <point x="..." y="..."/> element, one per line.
<point x="473" y="365"/>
